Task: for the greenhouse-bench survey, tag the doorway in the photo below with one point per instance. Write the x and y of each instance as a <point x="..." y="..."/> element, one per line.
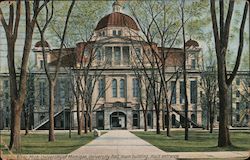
<point x="118" y="120"/>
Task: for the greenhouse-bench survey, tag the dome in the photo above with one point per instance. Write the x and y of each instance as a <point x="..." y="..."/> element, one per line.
<point x="39" y="44"/>
<point x="117" y="19"/>
<point x="192" y="43"/>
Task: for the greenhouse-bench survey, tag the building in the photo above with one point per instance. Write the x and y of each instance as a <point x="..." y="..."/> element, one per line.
<point x="117" y="53"/>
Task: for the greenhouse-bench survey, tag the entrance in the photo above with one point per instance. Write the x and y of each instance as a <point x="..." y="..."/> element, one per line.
<point x="118" y="120"/>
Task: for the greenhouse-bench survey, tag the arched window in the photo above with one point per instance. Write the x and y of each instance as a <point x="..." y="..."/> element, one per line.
<point x="122" y="88"/>
<point x="114" y="87"/>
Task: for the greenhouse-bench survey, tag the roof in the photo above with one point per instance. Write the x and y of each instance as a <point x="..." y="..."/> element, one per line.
<point x="193" y="43"/>
<point x="39" y="44"/>
<point x="117" y="19"/>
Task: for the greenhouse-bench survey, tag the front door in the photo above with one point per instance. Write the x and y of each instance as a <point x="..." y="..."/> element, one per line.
<point x="118" y="120"/>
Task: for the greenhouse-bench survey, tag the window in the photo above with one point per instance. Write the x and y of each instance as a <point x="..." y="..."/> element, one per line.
<point x="238" y="81"/>
<point x="237" y="106"/>
<point x="149" y="119"/>
<point x="117" y="55"/>
<point x="193" y="64"/>
<point x="103" y="33"/>
<point x="237" y="117"/>
<point x="42" y="93"/>
<point x="114" y="87"/>
<point x="182" y="94"/>
<point x="138" y="54"/>
<point x="6" y="95"/>
<point x="114" y="32"/>
<point x="62" y="91"/>
<point x="135" y="87"/>
<point x="173" y="92"/>
<point x="6" y="84"/>
<point x="193" y="91"/>
<point x="237" y="93"/>
<point x="122" y="88"/>
<point x="101" y="88"/>
<point x="98" y="55"/>
<point x="41" y="64"/>
<point x="108" y="55"/>
<point x="135" y="119"/>
<point x="119" y="33"/>
<point x="126" y="56"/>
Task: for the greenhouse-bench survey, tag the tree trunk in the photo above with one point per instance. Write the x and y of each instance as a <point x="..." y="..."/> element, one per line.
<point x="145" y="121"/>
<point x="210" y="117"/>
<point x="86" y="122"/>
<point x="158" y="131"/>
<point x="90" y="122"/>
<point x="163" y="118"/>
<point x="79" y="118"/>
<point x="167" y="122"/>
<point x="223" y="139"/>
<point x="26" y="115"/>
<point x="15" y="139"/>
<point x="70" y="121"/>
<point x="207" y="126"/>
<point x="51" y="111"/>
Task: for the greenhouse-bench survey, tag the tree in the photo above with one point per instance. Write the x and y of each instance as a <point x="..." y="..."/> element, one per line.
<point x="30" y="101"/>
<point x="53" y="75"/>
<point x="155" y="26"/>
<point x="221" y="34"/>
<point x="209" y="86"/>
<point x="18" y="90"/>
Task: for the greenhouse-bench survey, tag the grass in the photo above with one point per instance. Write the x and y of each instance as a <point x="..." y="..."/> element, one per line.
<point x="199" y="141"/>
<point x="38" y="143"/>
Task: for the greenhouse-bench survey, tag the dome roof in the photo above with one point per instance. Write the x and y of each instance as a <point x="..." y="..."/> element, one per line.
<point x="39" y="44"/>
<point x="192" y="43"/>
<point x="117" y="19"/>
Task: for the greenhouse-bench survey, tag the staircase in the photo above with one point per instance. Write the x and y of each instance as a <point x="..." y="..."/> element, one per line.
<point x="45" y="120"/>
<point x="194" y="124"/>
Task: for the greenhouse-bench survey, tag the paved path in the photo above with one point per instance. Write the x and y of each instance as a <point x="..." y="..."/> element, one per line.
<point x="123" y="145"/>
<point x="120" y="143"/>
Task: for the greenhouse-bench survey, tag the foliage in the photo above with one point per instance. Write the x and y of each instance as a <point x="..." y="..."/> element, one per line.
<point x="82" y="21"/>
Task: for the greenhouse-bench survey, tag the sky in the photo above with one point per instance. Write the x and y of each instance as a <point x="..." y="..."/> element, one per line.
<point x="232" y="47"/>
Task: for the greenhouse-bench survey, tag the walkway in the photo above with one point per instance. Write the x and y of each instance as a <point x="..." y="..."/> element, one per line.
<point x="123" y="145"/>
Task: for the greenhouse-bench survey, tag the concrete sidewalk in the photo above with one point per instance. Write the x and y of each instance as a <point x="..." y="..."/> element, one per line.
<point x="123" y="145"/>
<point x="119" y="142"/>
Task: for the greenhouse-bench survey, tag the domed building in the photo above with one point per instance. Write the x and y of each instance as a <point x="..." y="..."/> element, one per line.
<point x="115" y="51"/>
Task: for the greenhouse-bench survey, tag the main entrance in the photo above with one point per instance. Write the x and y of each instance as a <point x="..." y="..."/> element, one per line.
<point x="118" y="120"/>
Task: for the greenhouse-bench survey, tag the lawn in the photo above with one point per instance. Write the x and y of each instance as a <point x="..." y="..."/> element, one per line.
<point x="38" y="143"/>
<point x="198" y="141"/>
